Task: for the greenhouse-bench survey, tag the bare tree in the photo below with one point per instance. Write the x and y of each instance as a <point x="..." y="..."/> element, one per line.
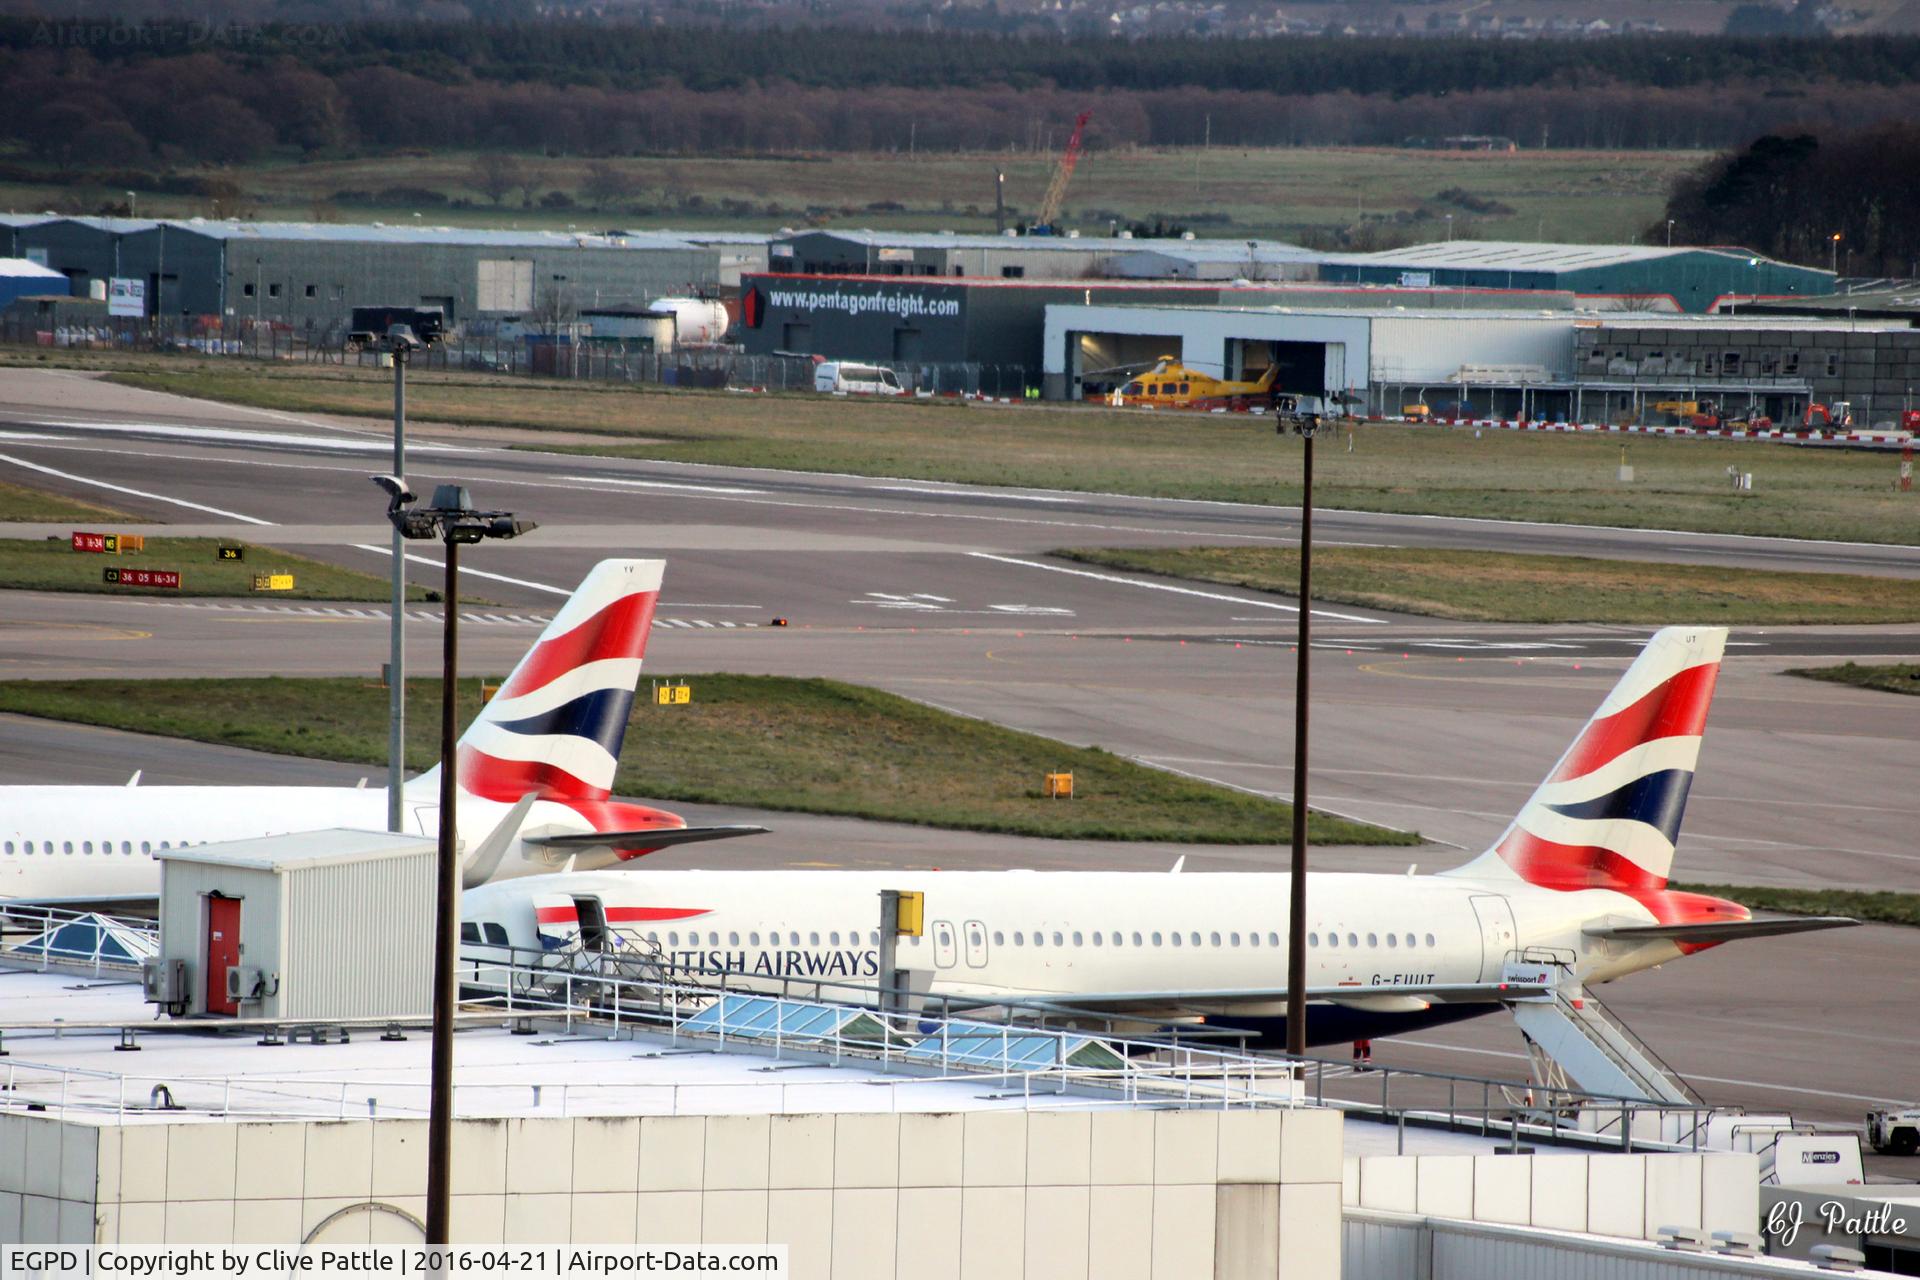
<point x="495" y="175"/>
<point x="607" y="185"/>
<point x="553" y="312"/>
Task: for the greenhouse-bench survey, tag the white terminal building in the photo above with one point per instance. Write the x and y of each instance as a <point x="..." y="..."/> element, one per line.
<point x="1540" y="364"/>
<point x="599" y="1100"/>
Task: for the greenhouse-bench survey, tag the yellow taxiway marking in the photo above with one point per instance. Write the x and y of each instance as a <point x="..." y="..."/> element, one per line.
<point x="101" y="628"/>
<point x="821" y="865"/>
<point x="1399" y="667"/>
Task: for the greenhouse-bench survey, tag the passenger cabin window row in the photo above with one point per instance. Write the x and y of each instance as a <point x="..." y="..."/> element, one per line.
<point x="86" y="847"/>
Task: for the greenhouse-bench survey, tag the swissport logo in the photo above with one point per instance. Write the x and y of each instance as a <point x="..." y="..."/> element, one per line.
<point x="903" y="306"/>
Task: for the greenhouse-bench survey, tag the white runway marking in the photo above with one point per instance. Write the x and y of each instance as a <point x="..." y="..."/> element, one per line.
<point x="657" y="484"/>
<point x="138" y="493"/>
<point x="237" y="435"/>
<point x="1162" y="586"/>
<point x="478" y="573"/>
<point x="970" y="493"/>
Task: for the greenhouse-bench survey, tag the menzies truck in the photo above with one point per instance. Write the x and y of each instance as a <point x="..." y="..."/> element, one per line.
<point x="1895" y="1131"/>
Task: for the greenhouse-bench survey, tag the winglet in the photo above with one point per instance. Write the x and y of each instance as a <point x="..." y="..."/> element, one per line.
<point x="485" y="859"/>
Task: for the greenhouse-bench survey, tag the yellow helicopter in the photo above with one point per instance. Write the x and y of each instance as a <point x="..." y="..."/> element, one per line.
<point x="1170" y="384"/>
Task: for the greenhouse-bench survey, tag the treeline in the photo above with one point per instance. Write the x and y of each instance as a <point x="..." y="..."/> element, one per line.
<point x="1789" y="195"/>
<point x="613" y="56"/>
<point x="202" y="109"/>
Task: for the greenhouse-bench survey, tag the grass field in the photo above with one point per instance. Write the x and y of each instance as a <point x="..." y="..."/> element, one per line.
<point x="24" y="504"/>
<point x="1877" y="906"/>
<point x="55" y="566"/>
<point x="1901" y="677"/>
<point x="809" y="746"/>
<point x="1486" y="586"/>
<point x="1433" y="470"/>
<point x="1578" y="196"/>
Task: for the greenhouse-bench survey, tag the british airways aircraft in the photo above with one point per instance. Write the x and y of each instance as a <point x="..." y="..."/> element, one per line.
<point x="1579" y="879"/>
<point x="541" y="754"/>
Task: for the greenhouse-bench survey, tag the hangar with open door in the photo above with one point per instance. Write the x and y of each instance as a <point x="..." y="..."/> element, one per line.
<point x="1314" y="353"/>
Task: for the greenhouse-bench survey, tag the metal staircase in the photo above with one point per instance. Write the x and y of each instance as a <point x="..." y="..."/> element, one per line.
<point x="1585" y="1046"/>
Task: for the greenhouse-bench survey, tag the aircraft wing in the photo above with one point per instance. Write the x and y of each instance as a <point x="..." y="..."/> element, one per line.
<point x="634" y="842"/>
<point x="1719" y="931"/>
<point x="1381" y="997"/>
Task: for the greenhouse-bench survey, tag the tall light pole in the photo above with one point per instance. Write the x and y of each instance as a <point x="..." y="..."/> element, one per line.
<point x="1449" y="228"/>
<point x="397" y="627"/>
<point x="1303" y="425"/>
<point x="1669" y="233"/>
<point x="1833" y="257"/>
<point x="453" y="520"/>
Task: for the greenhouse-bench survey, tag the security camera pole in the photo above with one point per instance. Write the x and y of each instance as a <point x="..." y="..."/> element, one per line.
<point x="453" y="520"/>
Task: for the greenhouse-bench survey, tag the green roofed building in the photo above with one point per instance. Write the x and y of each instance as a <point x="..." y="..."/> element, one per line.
<point x="1632" y="277"/>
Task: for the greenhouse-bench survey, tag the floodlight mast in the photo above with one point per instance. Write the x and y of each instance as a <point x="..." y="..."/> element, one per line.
<point x="1304" y="426"/>
<point x="453" y="520"/>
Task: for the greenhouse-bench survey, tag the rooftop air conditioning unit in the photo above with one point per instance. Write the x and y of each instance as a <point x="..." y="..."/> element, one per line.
<point x="164" y="981"/>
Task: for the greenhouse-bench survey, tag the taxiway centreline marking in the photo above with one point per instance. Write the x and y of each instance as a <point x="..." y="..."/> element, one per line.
<point x="1164" y="586"/>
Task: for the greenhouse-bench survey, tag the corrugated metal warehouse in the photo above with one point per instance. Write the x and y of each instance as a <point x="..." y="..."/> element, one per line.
<point x="22" y="279"/>
<point x="1694" y="278"/>
<point x="1008" y="257"/>
<point x="311" y="275"/>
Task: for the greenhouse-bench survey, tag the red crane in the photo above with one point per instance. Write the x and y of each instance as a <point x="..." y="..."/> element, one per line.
<point x="1045" y="222"/>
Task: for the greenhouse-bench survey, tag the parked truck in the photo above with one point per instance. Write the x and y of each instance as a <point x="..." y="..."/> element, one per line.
<point x="1894" y="1131"/>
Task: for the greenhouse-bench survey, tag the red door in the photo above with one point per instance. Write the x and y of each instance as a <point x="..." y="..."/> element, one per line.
<point x="223" y="951"/>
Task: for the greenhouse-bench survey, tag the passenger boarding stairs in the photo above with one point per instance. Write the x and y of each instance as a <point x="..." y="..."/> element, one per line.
<point x="1577" y="1043"/>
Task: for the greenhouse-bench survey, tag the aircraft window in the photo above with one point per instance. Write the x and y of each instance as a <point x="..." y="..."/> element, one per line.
<point x="1194" y="938"/>
<point x="653" y="937"/>
<point x="1233" y="939"/>
<point x="1096" y="938"/>
<point x="713" y="939"/>
<point x="1077" y="939"/>
<point x="833" y="939"/>
<point x="1393" y="940"/>
<point x="1019" y="938"/>
<point x="145" y="847"/>
<point x="1183" y="388"/>
<point x="1333" y="939"/>
<point x="86" y="846"/>
<point x="1156" y="939"/>
<point x="1176" y="939"/>
<point x="753" y="939"/>
<point x="496" y="933"/>
<point x="1373" y="939"/>
<point x="1430" y="941"/>
<point x="1253" y="940"/>
<point x="469" y="931"/>
<point x="1136" y="938"/>
<point x="1058" y="941"/>
<point x="1313" y="939"/>
<point x="813" y="939"/>
<point x="1353" y="939"/>
<point x="1133" y="389"/>
<point x="673" y="939"/>
<point x="1412" y="941"/>
<point x="66" y="846"/>
<point x="733" y="939"/>
<point x="126" y="847"/>
<point x="163" y="844"/>
<point x="1039" y="938"/>
<point x="1212" y="938"/>
<point x="9" y="846"/>
<point x="1116" y="939"/>
<point x="999" y="939"/>
<point x="873" y="937"/>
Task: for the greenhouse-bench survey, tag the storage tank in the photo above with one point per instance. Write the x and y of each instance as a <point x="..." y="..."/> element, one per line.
<point x="697" y="321"/>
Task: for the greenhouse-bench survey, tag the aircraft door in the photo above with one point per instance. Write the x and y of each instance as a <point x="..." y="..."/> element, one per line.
<point x="976" y="938"/>
<point x="1497" y="933"/>
<point x="943" y="946"/>
<point x="593" y="924"/>
<point x="556" y="920"/>
<point x="223" y="952"/>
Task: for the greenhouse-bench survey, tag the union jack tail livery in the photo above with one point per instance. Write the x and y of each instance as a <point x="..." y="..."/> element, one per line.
<point x="556" y="725"/>
<point x="1608" y="814"/>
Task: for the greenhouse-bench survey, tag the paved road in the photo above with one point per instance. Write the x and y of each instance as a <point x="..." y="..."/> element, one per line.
<point x="942" y="594"/>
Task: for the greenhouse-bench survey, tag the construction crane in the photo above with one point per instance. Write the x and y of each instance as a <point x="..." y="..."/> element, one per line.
<point x="1046" y="222"/>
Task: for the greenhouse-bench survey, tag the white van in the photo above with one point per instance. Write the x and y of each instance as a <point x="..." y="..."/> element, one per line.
<point x="843" y="378"/>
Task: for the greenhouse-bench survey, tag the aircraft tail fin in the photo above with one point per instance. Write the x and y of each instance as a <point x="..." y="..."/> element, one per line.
<point x="1609" y="811"/>
<point x="555" y="727"/>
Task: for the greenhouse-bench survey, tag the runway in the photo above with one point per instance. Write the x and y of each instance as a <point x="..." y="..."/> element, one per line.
<point x="943" y="593"/>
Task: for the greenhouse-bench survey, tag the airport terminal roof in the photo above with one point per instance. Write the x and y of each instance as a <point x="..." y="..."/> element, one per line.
<point x="378" y="233"/>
